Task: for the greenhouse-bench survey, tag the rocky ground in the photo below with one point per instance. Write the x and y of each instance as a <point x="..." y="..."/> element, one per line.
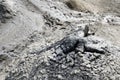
<point x="54" y="40"/>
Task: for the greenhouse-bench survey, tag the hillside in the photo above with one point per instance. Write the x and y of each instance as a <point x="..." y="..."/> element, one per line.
<point x="59" y="40"/>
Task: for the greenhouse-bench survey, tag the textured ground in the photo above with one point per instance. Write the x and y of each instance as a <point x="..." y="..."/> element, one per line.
<point x="53" y="40"/>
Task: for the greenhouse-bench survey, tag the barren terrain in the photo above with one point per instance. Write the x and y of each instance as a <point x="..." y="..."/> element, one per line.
<point x="59" y="40"/>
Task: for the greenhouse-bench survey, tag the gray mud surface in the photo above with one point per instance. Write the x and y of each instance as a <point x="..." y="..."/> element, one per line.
<point x="59" y="40"/>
